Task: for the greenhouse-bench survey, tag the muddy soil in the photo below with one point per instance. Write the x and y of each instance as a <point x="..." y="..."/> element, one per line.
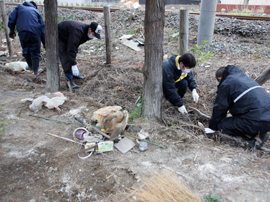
<point x="36" y="166"/>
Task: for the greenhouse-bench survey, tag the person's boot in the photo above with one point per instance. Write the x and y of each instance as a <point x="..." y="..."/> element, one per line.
<point x="258" y="142"/>
<point x="79" y="77"/>
<point x="263" y="138"/>
<point x="29" y="62"/>
<point x="35" y="66"/>
<point x="69" y="79"/>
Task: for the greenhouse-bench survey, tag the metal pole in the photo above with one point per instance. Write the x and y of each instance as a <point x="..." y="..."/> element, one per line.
<point x="4" y="20"/>
<point x="207" y="21"/>
<point x="107" y="19"/>
<point x="183" y="32"/>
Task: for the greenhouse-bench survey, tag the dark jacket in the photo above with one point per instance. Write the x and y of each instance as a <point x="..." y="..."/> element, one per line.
<point x="27" y="18"/>
<point x="254" y="105"/>
<point x="73" y="33"/>
<point x="170" y="75"/>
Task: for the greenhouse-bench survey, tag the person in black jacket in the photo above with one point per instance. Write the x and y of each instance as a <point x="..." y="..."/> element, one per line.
<point x="71" y="34"/>
<point x="31" y="28"/>
<point x="177" y="77"/>
<point x="248" y="103"/>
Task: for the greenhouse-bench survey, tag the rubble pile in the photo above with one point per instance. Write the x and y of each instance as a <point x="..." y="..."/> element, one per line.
<point x="227" y="31"/>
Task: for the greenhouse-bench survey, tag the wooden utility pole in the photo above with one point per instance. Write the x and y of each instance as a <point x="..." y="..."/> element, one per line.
<point x="183" y="32"/>
<point x="152" y="70"/>
<point x="4" y="21"/>
<point x="107" y="19"/>
<point x="51" y="33"/>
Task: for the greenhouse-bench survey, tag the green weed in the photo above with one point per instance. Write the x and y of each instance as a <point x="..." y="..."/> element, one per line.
<point x="1" y="25"/>
<point x="137" y="112"/>
<point x="212" y="198"/>
<point x="2" y="130"/>
<point x="60" y="19"/>
<point x="202" y="52"/>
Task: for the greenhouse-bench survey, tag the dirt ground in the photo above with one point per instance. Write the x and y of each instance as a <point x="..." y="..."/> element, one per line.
<point x="38" y="167"/>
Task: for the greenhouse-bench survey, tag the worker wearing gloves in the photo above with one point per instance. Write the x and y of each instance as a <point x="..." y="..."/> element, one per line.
<point x="248" y="103"/>
<point x="31" y="28"/>
<point x="71" y="34"/>
<point x="177" y="77"/>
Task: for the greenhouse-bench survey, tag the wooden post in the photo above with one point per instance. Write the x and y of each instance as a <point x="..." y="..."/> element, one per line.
<point x="264" y="76"/>
<point x="107" y="19"/>
<point x="183" y="32"/>
<point x="153" y="48"/>
<point x="4" y="20"/>
<point x="51" y="33"/>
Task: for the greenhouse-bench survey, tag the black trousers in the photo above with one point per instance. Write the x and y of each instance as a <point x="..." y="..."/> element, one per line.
<point x="182" y="87"/>
<point x="31" y="44"/>
<point x="240" y="127"/>
<point x="63" y="56"/>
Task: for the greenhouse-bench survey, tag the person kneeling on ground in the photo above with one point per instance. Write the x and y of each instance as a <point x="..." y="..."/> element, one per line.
<point x="248" y="103"/>
<point x="71" y="34"/>
<point x="177" y="77"/>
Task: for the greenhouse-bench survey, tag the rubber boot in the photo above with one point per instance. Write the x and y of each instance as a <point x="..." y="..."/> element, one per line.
<point x="259" y="142"/>
<point x="79" y="77"/>
<point x="69" y="79"/>
<point x="29" y="62"/>
<point x="35" y="65"/>
<point x="263" y="138"/>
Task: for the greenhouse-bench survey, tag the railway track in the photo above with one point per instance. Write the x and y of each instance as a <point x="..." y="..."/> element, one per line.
<point x="100" y="9"/>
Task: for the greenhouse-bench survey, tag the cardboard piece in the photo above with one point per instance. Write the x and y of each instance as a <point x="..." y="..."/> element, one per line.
<point x="124" y="145"/>
<point x="131" y="44"/>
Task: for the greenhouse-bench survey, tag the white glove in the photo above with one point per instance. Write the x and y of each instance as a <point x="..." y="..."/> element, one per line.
<point x="195" y="95"/>
<point x="209" y="130"/>
<point x="182" y="110"/>
<point x="75" y="70"/>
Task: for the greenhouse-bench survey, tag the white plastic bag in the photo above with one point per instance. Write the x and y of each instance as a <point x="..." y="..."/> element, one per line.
<point x="38" y="103"/>
<point x="55" y="100"/>
<point x="17" y="66"/>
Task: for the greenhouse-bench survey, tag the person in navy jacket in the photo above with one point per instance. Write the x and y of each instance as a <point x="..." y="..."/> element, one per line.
<point x="71" y="34"/>
<point x="177" y="77"/>
<point x="247" y="102"/>
<point x="31" y="28"/>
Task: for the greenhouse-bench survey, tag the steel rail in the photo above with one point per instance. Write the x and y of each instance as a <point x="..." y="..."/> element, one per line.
<point x="100" y="9"/>
<point x="242" y="17"/>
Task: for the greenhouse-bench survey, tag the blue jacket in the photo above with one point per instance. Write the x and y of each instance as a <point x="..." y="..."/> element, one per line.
<point x="27" y="18"/>
<point x="253" y="105"/>
<point x="171" y="75"/>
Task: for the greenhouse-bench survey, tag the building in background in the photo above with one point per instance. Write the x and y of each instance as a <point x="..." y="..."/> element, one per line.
<point x="249" y="2"/>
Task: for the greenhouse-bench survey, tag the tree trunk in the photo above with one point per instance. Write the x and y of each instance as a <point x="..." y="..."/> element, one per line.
<point x="51" y="33"/>
<point x="4" y="21"/>
<point x="152" y="70"/>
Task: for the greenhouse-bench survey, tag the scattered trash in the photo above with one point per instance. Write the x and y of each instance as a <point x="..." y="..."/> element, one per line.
<point x="17" y="66"/>
<point x="175" y="34"/>
<point x="143" y="146"/>
<point x="142" y="134"/>
<point x="124" y="145"/>
<point x="147" y="141"/>
<point x="126" y="40"/>
<point x="105" y="146"/>
<point x="3" y="53"/>
<point x="83" y="135"/>
<point x="112" y="120"/>
<point x="56" y="99"/>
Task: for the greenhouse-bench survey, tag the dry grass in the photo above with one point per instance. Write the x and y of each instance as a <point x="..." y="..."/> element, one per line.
<point x="164" y="187"/>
